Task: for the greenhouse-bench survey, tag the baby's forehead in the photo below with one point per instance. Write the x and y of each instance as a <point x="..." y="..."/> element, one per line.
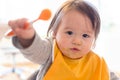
<point x="75" y="18"/>
<point x="74" y="13"/>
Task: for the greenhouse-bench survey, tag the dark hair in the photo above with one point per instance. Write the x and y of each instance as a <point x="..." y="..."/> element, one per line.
<point x="81" y="6"/>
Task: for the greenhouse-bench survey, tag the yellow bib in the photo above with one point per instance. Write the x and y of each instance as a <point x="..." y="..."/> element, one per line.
<point x="89" y="67"/>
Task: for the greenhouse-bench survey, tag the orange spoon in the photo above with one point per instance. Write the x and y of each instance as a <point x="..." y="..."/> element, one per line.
<point x="45" y="15"/>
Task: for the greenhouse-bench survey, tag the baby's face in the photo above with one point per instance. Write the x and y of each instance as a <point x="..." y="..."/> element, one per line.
<point x="75" y="35"/>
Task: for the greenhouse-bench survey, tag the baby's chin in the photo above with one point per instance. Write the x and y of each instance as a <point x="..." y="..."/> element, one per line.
<point x="73" y="57"/>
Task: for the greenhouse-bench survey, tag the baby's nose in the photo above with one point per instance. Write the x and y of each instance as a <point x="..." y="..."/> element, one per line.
<point x="77" y="41"/>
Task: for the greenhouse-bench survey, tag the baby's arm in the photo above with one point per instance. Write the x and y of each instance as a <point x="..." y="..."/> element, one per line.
<point x="29" y="43"/>
<point x="39" y="50"/>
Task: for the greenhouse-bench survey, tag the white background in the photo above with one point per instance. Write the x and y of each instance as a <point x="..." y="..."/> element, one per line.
<point x="108" y="42"/>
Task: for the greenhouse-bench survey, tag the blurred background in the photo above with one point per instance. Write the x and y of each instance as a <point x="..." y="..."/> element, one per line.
<point x="13" y="65"/>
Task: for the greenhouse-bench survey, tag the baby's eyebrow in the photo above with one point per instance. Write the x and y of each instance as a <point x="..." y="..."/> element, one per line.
<point x="68" y="27"/>
<point x="88" y="32"/>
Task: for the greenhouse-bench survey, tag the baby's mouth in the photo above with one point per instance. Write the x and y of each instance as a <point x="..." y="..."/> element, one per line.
<point x="75" y="49"/>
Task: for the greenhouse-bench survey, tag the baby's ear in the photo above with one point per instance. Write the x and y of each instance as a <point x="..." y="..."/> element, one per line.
<point x="93" y="45"/>
<point x="53" y="35"/>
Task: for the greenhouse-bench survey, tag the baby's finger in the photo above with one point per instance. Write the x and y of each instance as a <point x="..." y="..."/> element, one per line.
<point x="21" y="22"/>
<point x="13" y="24"/>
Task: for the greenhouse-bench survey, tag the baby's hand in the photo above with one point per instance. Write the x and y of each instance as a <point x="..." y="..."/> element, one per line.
<point x="20" y="28"/>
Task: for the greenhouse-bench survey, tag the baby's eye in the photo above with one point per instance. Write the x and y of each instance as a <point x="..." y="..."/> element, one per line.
<point x="85" y="35"/>
<point x="69" y="32"/>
